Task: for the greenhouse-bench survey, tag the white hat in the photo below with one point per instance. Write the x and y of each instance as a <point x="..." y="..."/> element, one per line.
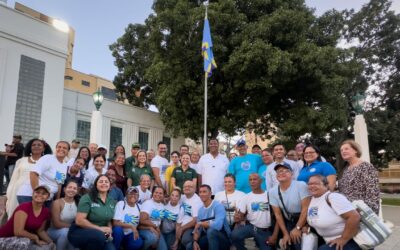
<point x="102" y="146"/>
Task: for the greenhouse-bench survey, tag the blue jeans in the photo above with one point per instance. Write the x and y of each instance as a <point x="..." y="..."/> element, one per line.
<point x="59" y="236"/>
<point x="169" y="238"/>
<point x="151" y="239"/>
<point x="212" y="240"/>
<point x="350" y="245"/>
<point x="84" y="238"/>
<point x="289" y="226"/>
<point x="126" y="240"/>
<point x="240" y="233"/>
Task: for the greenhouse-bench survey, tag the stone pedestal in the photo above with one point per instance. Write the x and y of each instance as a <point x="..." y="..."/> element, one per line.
<point x="361" y="136"/>
<point x="96" y="127"/>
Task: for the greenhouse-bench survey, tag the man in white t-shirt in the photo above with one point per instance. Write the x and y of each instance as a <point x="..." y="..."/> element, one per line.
<point x="159" y="164"/>
<point x="191" y="204"/>
<point x="279" y="152"/>
<point x="213" y="167"/>
<point x="255" y="207"/>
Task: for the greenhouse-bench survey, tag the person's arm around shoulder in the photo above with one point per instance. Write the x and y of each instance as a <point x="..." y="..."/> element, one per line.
<point x="219" y="213"/>
<point x="330" y="172"/>
<point x="56" y="209"/>
<point x="156" y="172"/>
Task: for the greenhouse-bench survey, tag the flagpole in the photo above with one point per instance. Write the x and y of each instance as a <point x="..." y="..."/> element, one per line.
<point x="205" y="97"/>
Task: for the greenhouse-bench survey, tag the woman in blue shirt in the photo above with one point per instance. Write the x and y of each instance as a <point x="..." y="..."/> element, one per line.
<point x="314" y="165"/>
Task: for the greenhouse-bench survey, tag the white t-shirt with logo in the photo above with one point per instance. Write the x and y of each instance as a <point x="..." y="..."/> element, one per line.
<point x="230" y="202"/>
<point x="195" y="166"/>
<point x="90" y="176"/>
<point x="162" y="164"/>
<point x="325" y="219"/>
<point x="257" y="208"/>
<point x="128" y="215"/>
<point x="173" y="213"/>
<point x="51" y="173"/>
<point x="213" y="170"/>
<point x="155" y="211"/>
<point x="143" y="196"/>
<point x="191" y="208"/>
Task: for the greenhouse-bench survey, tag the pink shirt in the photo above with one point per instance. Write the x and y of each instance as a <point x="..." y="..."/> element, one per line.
<point x="32" y="223"/>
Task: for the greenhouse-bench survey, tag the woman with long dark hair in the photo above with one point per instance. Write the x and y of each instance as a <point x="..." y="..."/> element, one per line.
<point x="34" y="149"/>
<point x="84" y="153"/>
<point x="119" y="168"/>
<point x="63" y="213"/>
<point x="99" y="162"/>
<point x="92" y="227"/>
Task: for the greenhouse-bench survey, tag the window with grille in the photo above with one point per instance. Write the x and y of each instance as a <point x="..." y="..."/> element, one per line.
<point x="83" y="132"/>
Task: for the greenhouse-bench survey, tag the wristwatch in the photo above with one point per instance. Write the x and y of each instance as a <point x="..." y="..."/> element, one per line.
<point x="298" y="228"/>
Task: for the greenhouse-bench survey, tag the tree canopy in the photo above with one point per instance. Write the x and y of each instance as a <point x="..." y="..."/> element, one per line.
<point x="279" y="68"/>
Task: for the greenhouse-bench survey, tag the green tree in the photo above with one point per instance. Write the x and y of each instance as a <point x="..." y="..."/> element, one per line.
<point x="277" y="64"/>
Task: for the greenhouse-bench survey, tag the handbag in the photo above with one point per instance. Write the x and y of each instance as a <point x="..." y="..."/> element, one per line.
<point x="309" y="241"/>
<point x="373" y="231"/>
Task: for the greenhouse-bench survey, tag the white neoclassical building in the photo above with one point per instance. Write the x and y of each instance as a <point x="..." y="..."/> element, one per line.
<point x="35" y="100"/>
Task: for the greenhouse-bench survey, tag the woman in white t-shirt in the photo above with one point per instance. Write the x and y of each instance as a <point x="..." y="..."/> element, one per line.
<point x="172" y="212"/>
<point x="151" y="215"/>
<point x="332" y="215"/>
<point x="99" y="162"/>
<point x="230" y="198"/>
<point x="50" y="170"/>
<point x="126" y="220"/>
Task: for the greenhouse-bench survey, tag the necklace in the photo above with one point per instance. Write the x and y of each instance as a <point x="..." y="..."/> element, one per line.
<point x="32" y="160"/>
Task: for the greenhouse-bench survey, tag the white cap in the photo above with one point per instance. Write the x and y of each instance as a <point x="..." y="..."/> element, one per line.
<point x="102" y="146"/>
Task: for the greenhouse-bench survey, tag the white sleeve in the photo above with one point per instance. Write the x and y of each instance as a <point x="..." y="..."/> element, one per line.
<point x="241" y="204"/>
<point x="340" y="203"/>
<point x="200" y="166"/>
<point x="146" y="207"/>
<point x="154" y="163"/>
<point x="181" y="214"/>
<point x="86" y="180"/>
<point x="268" y="179"/>
<point x="118" y="215"/>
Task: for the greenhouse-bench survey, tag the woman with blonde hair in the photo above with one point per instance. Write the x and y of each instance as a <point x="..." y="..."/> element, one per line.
<point x="359" y="180"/>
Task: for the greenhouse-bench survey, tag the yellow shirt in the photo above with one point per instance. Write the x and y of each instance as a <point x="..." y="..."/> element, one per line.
<point x="168" y="174"/>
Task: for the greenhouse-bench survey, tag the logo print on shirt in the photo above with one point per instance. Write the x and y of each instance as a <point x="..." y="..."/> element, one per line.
<point x="313" y="212"/>
<point x="156" y="214"/>
<point x="312" y="170"/>
<point x="170" y="216"/>
<point x="60" y="177"/>
<point x="245" y="165"/>
<point x="164" y="168"/>
<point x="187" y="209"/>
<point x="131" y="219"/>
<point x="259" y="206"/>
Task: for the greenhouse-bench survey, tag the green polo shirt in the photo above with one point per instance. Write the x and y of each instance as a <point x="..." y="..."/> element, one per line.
<point x="99" y="213"/>
<point x="181" y="176"/>
<point x="137" y="171"/>
<point x="129" y="163"/>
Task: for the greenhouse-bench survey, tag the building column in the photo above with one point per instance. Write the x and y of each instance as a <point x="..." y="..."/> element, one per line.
<point x="96" y="127"/>
<point x="130" y="134"/>
<point x="361" y="136"/>
<point x="155" y="136"/>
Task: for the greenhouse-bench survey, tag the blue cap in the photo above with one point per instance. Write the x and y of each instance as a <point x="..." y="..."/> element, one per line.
<point x="240" y="142"/>
<point x="283" y="165"/>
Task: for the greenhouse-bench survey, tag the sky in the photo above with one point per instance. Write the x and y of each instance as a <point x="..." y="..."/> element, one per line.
<point x="99" y="23"/>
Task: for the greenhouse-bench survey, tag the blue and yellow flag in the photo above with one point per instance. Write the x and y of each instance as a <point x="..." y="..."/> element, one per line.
<point x="206" y="47"/>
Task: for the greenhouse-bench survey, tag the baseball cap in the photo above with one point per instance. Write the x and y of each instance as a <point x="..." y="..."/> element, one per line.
<point x="44" y="187"/>
<point x="132" y="190"/>
<point x="76" y="141"/>
<point x="283" y="165"/>
<point x="240" y="142"/>
<point x="102" y="146"/>
<point x="135" y="145"/>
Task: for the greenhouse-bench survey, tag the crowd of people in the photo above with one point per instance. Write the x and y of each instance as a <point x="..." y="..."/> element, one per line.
<point x="78" y="198"/>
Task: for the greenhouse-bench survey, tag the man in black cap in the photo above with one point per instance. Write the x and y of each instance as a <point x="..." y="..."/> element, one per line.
<point x="13" y="152"/>
<point x="132" y="160"/>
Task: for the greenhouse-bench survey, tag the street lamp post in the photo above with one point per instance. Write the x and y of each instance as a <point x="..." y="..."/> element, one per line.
<point x="96" y="124"/>
<point x="360" y="127"/>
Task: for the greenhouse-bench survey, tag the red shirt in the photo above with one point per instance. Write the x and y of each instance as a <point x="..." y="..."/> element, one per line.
<point x="32" y="223"/>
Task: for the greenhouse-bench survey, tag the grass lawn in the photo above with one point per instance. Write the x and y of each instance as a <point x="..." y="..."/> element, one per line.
<point x="391" y="201"/>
